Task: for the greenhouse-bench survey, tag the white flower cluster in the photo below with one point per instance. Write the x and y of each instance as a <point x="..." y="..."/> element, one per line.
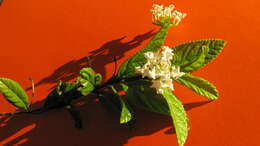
<point x="159" y="12"/>
<point x="159" y="69"/>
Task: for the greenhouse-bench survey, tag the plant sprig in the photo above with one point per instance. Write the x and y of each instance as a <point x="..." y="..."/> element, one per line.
<point x="140" y="77"/>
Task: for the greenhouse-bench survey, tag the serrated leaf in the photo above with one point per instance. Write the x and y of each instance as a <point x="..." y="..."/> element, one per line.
<point x="196" y="61"/>
<point x="140" y="94"/>
<point x="14" y="93"/>
<point x="127" y="69"/>
<point x="199" y="85"/>
<point x="186" y="53"/>
<point x="179" y="117"/>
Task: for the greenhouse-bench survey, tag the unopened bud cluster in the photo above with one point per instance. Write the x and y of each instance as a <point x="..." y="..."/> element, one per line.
<point x="159" y="69"/>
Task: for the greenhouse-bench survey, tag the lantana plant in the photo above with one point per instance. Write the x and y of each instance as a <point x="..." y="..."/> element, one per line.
<point x="146" y="78"/>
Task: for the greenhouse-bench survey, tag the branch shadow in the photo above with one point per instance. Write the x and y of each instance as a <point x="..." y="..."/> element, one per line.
<point x="100" y="127"/>
<point x="99" y="58"/>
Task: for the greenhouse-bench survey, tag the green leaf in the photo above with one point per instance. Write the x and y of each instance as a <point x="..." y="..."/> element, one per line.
<point x="58" y="88"/>
<point x="88" y="80"/>
<point x="68" y="87"/>
<point x="123" y="69"/>
<point x="1" y="1"/>
<point x="140" y="94"/>
<point x="87" y="86"/>
<point x="126" y="114"/>
<point x="98" y="79"/>
<point x="88" y="74"/>
<point x="124" y="86"/>
<point x="54" y="100"/>
<point x="110" y="102"/>
<point x="65" y="87"/>
<point x="127" y="69"/>
<point x="199" y="85"/>
<point x="197" y="62"/>
<point x="179" y="117"/>
<point x="14" y="93"/>
<point x="191" y="56"/>
<point x="61" y="96"/>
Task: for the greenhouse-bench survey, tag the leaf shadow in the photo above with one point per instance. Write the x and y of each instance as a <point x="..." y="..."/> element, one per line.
<point x="97" y="59"/>
<point x="100" y="127"/>
<point x="187" y="107"/>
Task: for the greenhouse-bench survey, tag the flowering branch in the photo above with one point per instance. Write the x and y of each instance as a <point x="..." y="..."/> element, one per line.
<point x="146" y="79"/>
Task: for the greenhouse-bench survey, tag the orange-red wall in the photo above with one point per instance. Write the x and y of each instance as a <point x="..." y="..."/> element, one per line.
<point x="47" y="40"/>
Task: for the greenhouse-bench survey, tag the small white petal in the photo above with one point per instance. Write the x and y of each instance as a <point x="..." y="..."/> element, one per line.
<point x="152" y="73"/>
<point x="149" y="55"/>
<point x="159" y="12"/>
<point x="176" y="72"/>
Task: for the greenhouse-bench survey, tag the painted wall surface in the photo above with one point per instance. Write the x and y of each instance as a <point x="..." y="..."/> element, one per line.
<point x="48" y="40"/>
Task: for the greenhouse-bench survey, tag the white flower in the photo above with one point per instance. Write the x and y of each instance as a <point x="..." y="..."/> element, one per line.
<point x="157" y="84"/>
<point x="178" y="16"/>
<point x="159" y="12"/>
<point x="176" y="72"/>
<point x="160" y="84"/>
<point x="168" y="10"/>
<point x="149" y="55"/>
<point x="166" y="53"/>
<point x="152" y="73"/>
<point x="168" y="84"/>
<point x="159" y="68"/>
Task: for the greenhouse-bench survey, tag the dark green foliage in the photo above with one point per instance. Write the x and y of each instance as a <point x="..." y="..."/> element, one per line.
<point x="142" y="95"/>
<point x="110" y="102"/>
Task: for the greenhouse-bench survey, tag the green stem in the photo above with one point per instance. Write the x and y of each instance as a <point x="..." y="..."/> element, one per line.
<point x="112" y="81"/>
<point x="36" y="111"/>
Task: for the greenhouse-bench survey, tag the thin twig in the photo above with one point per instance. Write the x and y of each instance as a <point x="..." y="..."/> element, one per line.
<point x="115" y="61"/>
<point x="96" y="91"/>
<point x="36" y="111"/>
<point x="33" y="90"/>
<point x="89" y="61"/>
<point x="130" y="79"/>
